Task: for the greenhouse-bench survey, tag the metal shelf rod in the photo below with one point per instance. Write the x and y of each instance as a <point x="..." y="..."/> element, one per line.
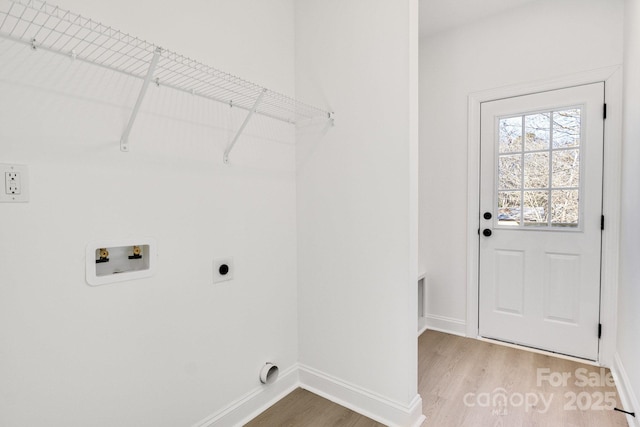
<point x="43" y="26"/>
<point x="246" y="120"/>
<point x="124" y="141"/>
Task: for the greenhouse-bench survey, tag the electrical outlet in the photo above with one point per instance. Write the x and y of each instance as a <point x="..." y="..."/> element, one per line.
<point x="16" y="181"/>
<point x="12" y="182"/>
<point x="222" y="269"/>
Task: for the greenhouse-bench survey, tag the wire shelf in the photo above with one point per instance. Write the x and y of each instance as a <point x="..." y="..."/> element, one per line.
<point x="44" y="26"/>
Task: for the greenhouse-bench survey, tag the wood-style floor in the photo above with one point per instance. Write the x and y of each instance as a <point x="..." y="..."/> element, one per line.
<point x="469" y="383"/>
<point x="454" y="369"/>
<point x="302" y="408"/>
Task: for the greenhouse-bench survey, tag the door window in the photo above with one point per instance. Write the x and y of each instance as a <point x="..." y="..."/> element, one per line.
<point x="538" y="165"/>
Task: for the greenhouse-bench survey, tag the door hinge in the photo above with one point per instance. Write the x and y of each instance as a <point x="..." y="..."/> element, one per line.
<point x="602" y="222"/>
<point x="604" y="111"/>
<point x="599" y="330"/>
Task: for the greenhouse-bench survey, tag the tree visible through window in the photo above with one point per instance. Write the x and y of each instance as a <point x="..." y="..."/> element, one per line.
<point x="539" y="169"/>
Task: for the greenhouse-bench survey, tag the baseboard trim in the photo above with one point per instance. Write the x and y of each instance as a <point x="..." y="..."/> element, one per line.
<point x="448" y="325"/>
<point x="627" y="395"/>
<point x="363" y="401"/>
<point x="422" y="325"/>
<point x="252" y="404"/>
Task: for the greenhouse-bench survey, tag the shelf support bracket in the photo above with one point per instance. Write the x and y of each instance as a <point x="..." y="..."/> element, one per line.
<point x="246" y="120"/>
<point x="124" y="141"/>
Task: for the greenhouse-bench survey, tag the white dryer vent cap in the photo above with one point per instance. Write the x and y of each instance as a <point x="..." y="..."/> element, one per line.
<point x="269" y="373"/>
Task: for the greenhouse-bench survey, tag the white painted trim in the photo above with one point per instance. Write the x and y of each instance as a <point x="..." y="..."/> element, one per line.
<point x="612" y="183"/>
<point x="252" y="404"/>
<point x="410" y="346"/>
<point x="422" y="325"/>
<point x="612" y="76"/>
<point x="448" y="325"/>
<point x="363" y="401"/>
<point x="628" y="398"/>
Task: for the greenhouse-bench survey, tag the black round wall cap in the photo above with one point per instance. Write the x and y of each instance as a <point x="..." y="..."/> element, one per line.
<point x="224" y="269"/>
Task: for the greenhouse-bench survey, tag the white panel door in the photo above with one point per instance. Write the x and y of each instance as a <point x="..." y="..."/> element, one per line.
<point x="540" y="219"/>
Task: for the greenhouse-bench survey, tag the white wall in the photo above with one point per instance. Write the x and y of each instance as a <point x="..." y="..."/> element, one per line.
<point x="505" y="49"/>
<point x="629" y="292"/>
<point x="253" y="40"/>
<point x="172" y="349"/>
<point x="357" y="269"/>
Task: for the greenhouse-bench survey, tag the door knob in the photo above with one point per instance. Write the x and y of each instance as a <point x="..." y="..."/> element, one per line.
<point x="486" y="232"/>
<point x="487" y="215"/>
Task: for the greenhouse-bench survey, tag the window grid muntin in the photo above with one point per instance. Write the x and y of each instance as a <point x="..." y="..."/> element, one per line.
<point x="550" y="189"/>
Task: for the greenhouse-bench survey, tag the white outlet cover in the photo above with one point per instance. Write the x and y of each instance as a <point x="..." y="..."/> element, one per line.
<point x="218" y="263"/>
<point x="23" y="180"/>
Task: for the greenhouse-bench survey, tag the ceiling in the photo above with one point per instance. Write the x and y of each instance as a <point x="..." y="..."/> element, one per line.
<point x="440" y="15"/>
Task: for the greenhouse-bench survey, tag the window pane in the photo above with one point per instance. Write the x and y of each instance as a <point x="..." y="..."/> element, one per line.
<point x="566" y="168"/>
<point x="538" y="163"/>
<point x="536" y="170"/>
<point x="510" y="134"/>
<point x="537" y="132"/>
<point x="509" y="208"/>
<point x="509" y="172"/>
<point x="565" y="208"/>
<point x="566" y="128"/>
<point x="536" y="208"/>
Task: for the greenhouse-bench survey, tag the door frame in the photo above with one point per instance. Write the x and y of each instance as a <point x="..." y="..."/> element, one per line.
<point x="612" y="78"/>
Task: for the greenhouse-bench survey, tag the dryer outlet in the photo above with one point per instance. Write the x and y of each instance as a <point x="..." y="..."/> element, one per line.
<point x="223" y="269"/>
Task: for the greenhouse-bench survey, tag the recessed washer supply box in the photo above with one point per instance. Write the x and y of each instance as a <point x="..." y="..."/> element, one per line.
<point x="111" y="261"/>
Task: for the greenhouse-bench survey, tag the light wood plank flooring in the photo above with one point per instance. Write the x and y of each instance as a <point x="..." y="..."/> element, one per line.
<point x="450" y="367"/>
<point x="453" y="370"/>
<point x="304" y="409"/>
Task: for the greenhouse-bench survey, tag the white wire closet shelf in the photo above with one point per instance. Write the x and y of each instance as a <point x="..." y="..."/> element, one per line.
<point x="44" y="26"/>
